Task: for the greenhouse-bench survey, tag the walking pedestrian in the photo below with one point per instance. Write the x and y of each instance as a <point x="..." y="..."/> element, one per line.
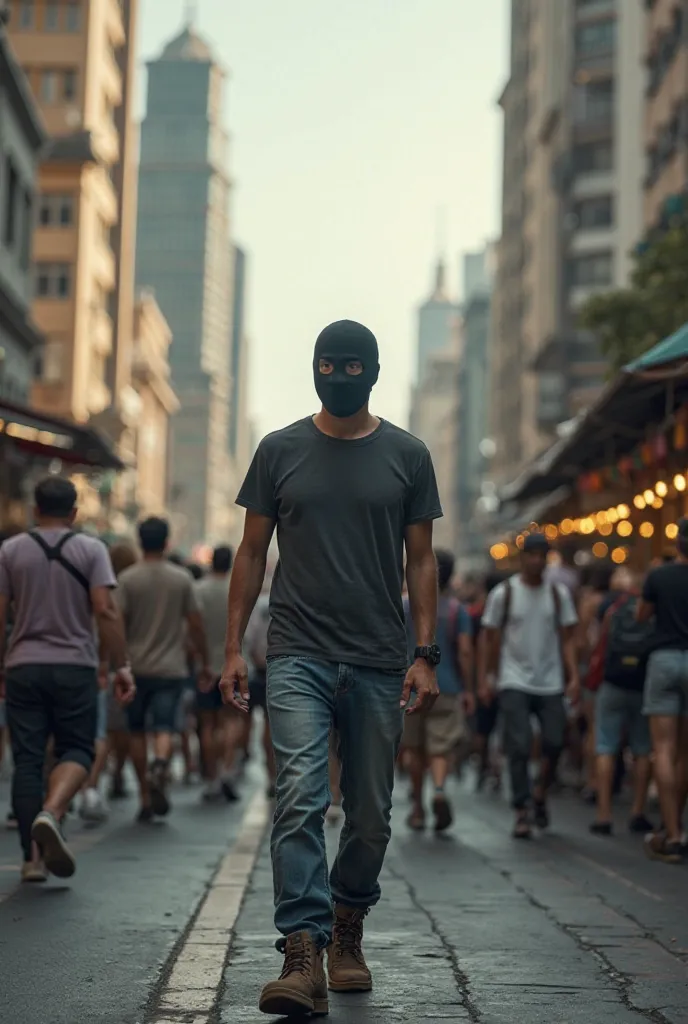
<point x="347" y="492"/>
<point x="158" y="604"/>
<point x="432" y="739"/>
<point x="665" y="595"/>
<point x="531" y="655"/>
<point x="122" y="555"/>
<point x="57" y="581"/>
<point x="220" y="726"/>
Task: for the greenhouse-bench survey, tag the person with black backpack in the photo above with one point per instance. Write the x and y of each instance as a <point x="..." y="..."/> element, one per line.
<point x="529" y="655"/>
<point x="57" y="582"/>
<point x="623" y="650"/>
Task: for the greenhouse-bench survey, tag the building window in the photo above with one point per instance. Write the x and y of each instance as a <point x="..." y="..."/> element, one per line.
<point x="73" y="18"/>
<point x="56" y="211"/>
<point x="594" y="102"/>
<point x="26" y="14"/>
<point x="53" y="280"/>
<point x="596" y="39"/>
<point x="10" y="229"/>
<point x="594" y="213"/>
<point x="49" y="86"/>
<point x="52" y="364"/>
<point x="27" y="231"/>
<point x="69" y="84"/>
<point x="590" y="157"/>
<point x="592" y="270"/>
<point x="51" y="17"/>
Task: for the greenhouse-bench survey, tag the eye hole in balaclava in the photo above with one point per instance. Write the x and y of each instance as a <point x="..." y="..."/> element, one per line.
<point x="345" y="367"/>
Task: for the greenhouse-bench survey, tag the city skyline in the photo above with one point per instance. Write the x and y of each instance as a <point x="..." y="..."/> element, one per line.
<point x="341" y="162"/>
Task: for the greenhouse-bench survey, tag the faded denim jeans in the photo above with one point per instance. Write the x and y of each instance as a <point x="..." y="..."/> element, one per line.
<point x="306" y="697"/>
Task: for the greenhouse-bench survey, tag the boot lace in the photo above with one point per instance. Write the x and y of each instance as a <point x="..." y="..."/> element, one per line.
<point x="349" y="936"/>
<point x="297" y="958"/>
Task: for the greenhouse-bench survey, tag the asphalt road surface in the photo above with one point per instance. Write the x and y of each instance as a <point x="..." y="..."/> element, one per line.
<point x="172" y="924"/>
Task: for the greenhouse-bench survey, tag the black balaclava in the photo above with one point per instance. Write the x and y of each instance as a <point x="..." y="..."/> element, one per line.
<point x="341" y="393"/>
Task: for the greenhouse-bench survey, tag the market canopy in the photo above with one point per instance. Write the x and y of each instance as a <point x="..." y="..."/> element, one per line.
<point x="643" y="399"/>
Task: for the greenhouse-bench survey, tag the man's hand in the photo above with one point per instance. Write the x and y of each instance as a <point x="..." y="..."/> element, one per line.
<point x="485" y="693"/>
<point x="573" y="689"/>
<point x="207" y="680"/>
<point x="124" y="686"/>
<point x="422" y="680"/>
<point x="234" y="683"/>
<point x="468" y="702"/>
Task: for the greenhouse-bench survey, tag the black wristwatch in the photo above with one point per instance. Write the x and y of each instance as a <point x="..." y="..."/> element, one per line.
<point x="431" y="654"/>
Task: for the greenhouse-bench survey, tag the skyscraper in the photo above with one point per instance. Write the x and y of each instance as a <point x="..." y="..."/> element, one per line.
<point x="184" y="255"/>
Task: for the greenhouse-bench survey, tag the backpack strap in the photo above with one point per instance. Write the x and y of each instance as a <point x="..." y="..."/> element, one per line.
<point x="54" y="554"/>
<point x="506" y="611"/>
<point x="556" y="597"/>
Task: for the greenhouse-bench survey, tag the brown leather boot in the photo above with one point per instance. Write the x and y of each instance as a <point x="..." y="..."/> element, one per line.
<point x="346" y="965"/>
<point x="302" y="987"/>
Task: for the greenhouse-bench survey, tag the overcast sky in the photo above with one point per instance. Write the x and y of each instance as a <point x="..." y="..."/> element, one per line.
<point x="352" y="123"/>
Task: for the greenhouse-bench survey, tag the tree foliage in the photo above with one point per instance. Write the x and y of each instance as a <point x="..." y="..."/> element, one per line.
<point x="629" y="321"/>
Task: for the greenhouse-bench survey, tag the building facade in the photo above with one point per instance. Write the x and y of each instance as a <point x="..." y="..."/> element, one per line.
<point x="183" y="254"/>
<point x="473" y="406"/>
<point x="666" y="110"/>
<point x="571" y="209"/>
<point x="73" y="54"/>
<point x="240" y="440"/>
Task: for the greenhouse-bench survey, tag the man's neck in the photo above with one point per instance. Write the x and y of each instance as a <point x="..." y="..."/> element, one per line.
<point x="347" y="428"/>
<point x="52" y="523"/>
<point x="153" y="556"/>
<point x="532" y="581"/>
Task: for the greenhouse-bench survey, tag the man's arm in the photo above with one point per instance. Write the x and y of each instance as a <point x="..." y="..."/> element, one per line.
<point x="245" y="586"/>
<point x="113" y="645"/>
<point x="197" y="636"/>
<point x="569" y="649"/>
<point x="644" y="610"/>
<point x="466" y="660"/>
<point x="421" y="579"/>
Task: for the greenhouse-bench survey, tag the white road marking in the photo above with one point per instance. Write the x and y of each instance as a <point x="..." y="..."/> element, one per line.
<point x="197" y="972"/>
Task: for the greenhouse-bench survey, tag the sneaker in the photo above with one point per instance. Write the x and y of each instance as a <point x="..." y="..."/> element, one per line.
<point x="302" y="986"/>
<point x="118" y="791"/>
<point x="346" y="966"/>
<point x="601" y="828"/>
<point x="657" y="847"/>
<point x="442" y="810"/>
<point x="640" y="824"/>
<point x="157" y="782"/>
<point x="33" y="871"/>
<point x="541" y="814"/>
<point x="47" y="835"/>
<point x="93" y="806"/>
<point x="145" y="816"/>
<point x="229" y="790"/>
<point x="522" y="828"/>
<point x="416" y="818"/>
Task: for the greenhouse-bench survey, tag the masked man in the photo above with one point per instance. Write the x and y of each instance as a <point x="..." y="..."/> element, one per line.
<point x="347" y="493"/>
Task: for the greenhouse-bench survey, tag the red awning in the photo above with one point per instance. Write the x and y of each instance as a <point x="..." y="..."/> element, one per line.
<point x="54" y="438"/>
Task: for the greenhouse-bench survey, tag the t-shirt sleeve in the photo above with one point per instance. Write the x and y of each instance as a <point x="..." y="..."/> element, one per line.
<point x="569" y="616"/>
<point x="424" y="500"/>
<point x="258" y="490"/>
<point x="649" y="587"/>
<point x="5" y="581"/>
<point x="494" y="608"/>
<point x="191" y="602"/>
<point x="101" y="573"/>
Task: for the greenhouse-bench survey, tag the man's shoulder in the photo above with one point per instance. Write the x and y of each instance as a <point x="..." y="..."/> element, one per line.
<point x="404" y="441"/>
<point x="279" y="440"/>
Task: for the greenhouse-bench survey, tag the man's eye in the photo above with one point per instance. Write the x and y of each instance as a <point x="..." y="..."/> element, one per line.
<point x="325" y="367"/>
<point x="354" y="368"/>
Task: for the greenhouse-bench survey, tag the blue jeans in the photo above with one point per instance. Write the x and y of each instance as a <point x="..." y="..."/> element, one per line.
<point x="306" y="698"/>
<point x="666" y="684"/>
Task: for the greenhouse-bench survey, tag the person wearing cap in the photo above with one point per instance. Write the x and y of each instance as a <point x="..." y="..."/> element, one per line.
<point x="529" y="658"/>
<point x="665" y="701"/>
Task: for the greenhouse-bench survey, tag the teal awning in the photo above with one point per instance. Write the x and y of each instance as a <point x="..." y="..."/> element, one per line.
<point x="672" y="349"/>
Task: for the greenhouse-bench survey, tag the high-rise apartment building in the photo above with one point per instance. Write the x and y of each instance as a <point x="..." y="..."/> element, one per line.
<point x="571" y="209"/>
<point x="78" y="59"/>
<point x="183" y="254"/>
<point x="240" y="444"/>
<point x="666" y="111"/>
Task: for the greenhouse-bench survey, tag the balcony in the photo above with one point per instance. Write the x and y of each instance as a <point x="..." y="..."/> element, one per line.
<point x="115" y="23"/>
<point x="103" y="266"/>
<point x="101" y="332"/>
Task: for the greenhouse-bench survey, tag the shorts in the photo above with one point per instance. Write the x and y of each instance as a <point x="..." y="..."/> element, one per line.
<point x="102" y="720"/>
<point x="439" y="731"/>
<point x="666" y="684"/>
<point x="258" y="691"/>
<point x="155" y="706"/>
<point x="186" y="704"/>
<point x="211" y="701"/>
<point x="619" y="713"/>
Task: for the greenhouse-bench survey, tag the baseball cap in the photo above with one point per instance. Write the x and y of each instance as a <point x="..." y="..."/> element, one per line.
<point x="536" y="542"/>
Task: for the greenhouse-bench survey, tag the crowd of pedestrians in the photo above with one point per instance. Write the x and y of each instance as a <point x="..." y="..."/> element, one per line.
<point x="369" y="659"/>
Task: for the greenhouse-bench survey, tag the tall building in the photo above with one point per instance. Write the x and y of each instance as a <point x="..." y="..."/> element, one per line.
<point x="473" y="405"/>
<point x="666" y="111"/>
<point x="239" y="442"/>
<point x="436" y="322"/>
<point x="183" y="254"/>
<point x="571" y="208"/>
<point x="77" y="57"/>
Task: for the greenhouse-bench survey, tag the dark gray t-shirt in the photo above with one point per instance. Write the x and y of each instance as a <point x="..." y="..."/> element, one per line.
<point x="341" y="509"/>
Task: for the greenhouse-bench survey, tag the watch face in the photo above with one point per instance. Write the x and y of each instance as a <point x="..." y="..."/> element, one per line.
<point x="435" y="655"/>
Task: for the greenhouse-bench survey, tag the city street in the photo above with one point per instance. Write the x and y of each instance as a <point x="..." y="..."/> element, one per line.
<point x="570" y="929"/>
